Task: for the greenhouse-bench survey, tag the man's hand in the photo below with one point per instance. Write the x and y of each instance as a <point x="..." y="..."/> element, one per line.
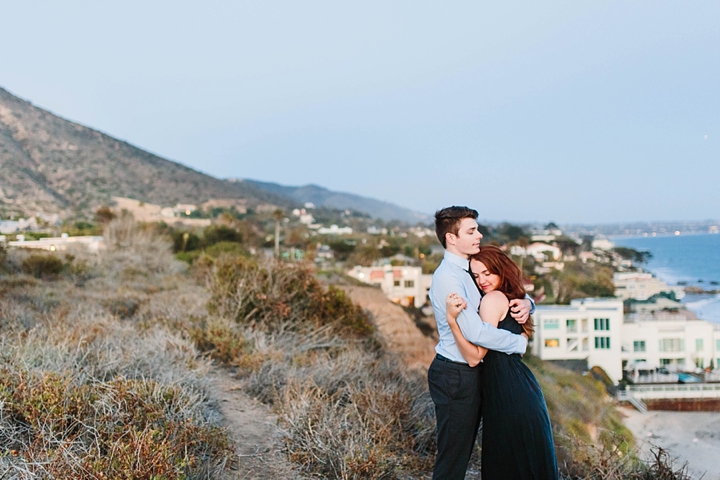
<point x="520" y="309"/>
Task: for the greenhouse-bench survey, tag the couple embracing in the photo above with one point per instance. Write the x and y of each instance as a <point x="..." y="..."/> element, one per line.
<point x="478" y="372"/>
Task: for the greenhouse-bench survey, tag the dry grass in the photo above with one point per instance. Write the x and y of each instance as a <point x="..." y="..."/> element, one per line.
<point x="89" y="388"/>
<point x="104" y="374"/>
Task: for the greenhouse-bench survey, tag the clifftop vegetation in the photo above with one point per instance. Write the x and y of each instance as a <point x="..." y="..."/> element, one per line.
<point x="126" y="338"/>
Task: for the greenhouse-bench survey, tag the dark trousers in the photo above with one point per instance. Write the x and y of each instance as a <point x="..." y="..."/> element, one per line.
<point x="455" y="391"/>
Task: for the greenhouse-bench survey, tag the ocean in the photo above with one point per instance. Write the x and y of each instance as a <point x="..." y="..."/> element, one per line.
<point x="685" y="259"/>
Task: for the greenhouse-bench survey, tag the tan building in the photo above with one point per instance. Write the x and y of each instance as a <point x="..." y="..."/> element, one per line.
<point x="405" y="285"/>
<point x="641" y="286"/>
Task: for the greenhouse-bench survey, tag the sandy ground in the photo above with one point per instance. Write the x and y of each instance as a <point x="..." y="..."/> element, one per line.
<point x="396" y="327"/>
<point x="692" y="437"/>
<point x="253" y="428"/>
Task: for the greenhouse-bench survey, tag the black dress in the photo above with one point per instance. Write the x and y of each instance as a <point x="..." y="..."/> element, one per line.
<point x="517" y="439"/>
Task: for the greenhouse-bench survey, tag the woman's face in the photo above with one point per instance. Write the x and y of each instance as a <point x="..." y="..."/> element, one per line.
<point x="485" y="280"/>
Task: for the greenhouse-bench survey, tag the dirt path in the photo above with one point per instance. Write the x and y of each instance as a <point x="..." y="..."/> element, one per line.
<point x="396" y="327"/>
<point x="253" y="429"/>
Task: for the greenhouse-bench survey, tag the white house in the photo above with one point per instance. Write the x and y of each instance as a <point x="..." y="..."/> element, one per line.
<point x="373" y="230"/>
<point x="588" y="330"/>
<point x="60" y="244"/>
<point x="405" y="285"/>
<point x="335" y="230"/>
<point x="641" y="286"/>
<point x="595" y="332"/>
<point x="676" y="341"/>
<point x="602" y="244"/>
<point x="12" y="226"/>
<point x="543" y="252"/>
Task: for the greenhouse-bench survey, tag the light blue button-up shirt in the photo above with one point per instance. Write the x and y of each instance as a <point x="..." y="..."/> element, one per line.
<point x="452" y="277"/>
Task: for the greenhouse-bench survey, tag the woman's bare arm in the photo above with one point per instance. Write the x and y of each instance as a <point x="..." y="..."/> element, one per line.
<point x="494" y="307"/>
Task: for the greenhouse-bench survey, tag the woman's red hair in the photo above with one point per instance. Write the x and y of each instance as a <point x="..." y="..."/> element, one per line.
<point x="511" y="283"/>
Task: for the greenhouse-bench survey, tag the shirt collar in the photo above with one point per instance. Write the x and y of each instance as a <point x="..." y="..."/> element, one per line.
<point x="461" y="262"/>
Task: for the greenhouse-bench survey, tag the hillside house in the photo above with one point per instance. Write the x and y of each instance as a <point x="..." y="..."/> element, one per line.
<point x="61" y="244"/>
<point x="594" y="332"/>
<point x="641" y="286"/>
<point x="587" y="332"/>
<point x="404" y="285"/>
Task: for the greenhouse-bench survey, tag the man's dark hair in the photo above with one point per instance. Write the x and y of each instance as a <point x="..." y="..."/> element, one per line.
<point x="448" y="220"/>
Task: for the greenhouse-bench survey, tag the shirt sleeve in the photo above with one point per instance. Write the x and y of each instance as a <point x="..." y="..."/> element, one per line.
<point x="475" y="330"/>
<point x="532" y="308"/>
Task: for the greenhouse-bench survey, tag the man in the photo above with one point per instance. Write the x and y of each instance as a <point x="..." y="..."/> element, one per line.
<point x="454" y="385"/>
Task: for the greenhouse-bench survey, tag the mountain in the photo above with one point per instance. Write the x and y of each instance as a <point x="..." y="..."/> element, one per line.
<point x="52" y="165"/>
<point x="323" y="197"/>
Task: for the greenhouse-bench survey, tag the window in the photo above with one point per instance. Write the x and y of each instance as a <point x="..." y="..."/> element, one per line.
<point x="602" y="324"/>
<point x="396" y="283"/>
<point x="573" y="344"/>
<point x="602" y="343"/>
<point x="639" y="346"/>
<point x="571" y="325"/>
<point x="672" y="345"/>
<point x="552" y="343"/>
<point x="717" y="345"/>
<point x="551" y="324"/>
<point x="409" y="283"/>
<point x="700" y="362"/>
<point x="677" y="362"/>
<point x="699" y="345"/>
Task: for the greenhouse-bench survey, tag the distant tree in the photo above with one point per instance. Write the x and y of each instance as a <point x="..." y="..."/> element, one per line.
<point x="184" y="241"/>
<point x="567" y="245"/>
<point x="342" y="249"/>
<point x="636" y="256"/>
<point x="364" y="255"/>
<point x="278" y="215"/>
<point x="390" y="250"/>
<point x="297" y="237"/>
<point x="104" y="215"/>
<point x="220" y="233"/>
<point x="510" y="233"/>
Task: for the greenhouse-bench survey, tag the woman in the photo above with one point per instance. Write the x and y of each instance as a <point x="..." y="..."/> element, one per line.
<point x="517" y="440"/>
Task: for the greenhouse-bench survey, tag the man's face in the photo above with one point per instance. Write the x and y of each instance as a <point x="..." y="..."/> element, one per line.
<point x="467" y="241"/>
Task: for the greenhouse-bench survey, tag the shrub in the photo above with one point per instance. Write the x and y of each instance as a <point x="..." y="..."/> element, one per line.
<point x="189" y="257"/>
<point x="140" y="429"/>
<point x="41" y="265"/>
<point x="226" y="248"/>
<point x="184" y="241"/>
<point x="275" y="296"/>
<point x="123" y="307"/>
<point x="220" y="233"/>
<point x="223" y="342"/>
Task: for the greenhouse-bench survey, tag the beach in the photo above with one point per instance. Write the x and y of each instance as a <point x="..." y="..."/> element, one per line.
<point x="692" y="437"/>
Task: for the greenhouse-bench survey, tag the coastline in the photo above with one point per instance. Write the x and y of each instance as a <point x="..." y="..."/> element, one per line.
<point x="688" y="437"/>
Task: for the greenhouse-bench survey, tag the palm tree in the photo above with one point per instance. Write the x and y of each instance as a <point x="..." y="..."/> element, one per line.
<point x="277" y="215"/>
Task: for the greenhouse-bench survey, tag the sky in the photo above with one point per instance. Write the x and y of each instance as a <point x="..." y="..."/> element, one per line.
<point x="571" y="111"/>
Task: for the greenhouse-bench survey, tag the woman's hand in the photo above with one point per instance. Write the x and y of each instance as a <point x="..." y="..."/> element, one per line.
<point x="454" y="304"/>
